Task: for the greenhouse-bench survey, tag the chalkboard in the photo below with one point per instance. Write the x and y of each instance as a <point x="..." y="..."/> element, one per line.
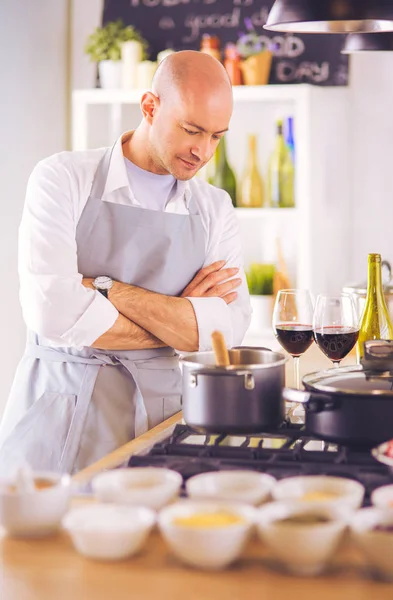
<point x="180" y="24"/>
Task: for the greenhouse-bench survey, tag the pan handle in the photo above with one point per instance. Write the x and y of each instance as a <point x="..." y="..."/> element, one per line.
<point x="313" y="402"/>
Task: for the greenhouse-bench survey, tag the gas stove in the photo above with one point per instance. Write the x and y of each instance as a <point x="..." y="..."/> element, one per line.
<point x="286" y="452"/>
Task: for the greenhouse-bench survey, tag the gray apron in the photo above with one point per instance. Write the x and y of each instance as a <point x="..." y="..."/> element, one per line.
<point x="69" y="407"/>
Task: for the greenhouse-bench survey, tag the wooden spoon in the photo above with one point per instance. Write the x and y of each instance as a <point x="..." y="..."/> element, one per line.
<point x="220" y="350"/>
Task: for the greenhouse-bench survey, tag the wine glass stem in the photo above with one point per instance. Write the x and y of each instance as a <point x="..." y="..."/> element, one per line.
<point x="336" y="364"/>
<point x="296" y="371"/>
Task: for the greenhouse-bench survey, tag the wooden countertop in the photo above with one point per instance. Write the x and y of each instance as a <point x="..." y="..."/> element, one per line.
<point x="50" y="569"/>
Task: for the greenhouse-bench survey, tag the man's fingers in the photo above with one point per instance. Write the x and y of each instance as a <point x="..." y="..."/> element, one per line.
<point x="224" y="288"/>
<point x="230" y="297"/>
<point x="203" y="273"/>
<point x="210" y="282"/>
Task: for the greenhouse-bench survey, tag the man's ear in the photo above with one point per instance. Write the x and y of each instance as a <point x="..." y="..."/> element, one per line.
<point x="149" y="105"/>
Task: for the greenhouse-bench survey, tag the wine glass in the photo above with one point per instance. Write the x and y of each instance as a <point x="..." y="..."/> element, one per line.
<point x="292" y="324"/>
<point x="335" y="325"/>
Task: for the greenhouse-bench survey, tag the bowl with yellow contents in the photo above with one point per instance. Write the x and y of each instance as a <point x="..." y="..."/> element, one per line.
<point x="320" y="490"/>
<point x="32" y="503"/>
<point x="206" y="534"/>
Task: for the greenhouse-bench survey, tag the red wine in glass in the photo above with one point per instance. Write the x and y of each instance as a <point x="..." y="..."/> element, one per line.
<point x="295" y="339"/>
<point x="335" y="324"/>
<point x="336" y="342"/>
<point x="292" y="318"/>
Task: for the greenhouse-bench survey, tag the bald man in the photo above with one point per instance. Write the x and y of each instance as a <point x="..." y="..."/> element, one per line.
<point x="125" y="261"/>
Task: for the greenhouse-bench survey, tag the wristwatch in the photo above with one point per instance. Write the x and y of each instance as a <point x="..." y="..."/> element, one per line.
<point x="103" y="284"/>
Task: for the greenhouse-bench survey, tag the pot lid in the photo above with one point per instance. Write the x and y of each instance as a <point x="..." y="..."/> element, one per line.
<point x="352" y="381"/>
<point x="361" y="288"/>
<point x="373" y="377"/>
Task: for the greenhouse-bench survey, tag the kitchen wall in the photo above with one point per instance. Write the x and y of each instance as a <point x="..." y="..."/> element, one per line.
<point x="372" y="159"/>
<point x="32" y="125"/>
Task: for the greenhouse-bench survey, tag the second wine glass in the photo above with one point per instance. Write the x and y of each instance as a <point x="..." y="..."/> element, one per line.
<point x="335" y="325"/>
<point x="292" y="324"/>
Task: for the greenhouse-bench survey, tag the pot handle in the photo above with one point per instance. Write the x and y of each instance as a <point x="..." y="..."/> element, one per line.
<point x="249" y="381"/>
<point x="314" y="402"/>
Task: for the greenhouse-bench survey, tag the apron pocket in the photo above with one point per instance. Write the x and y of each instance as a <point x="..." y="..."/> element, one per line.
<point x="40" y="435"/>
<point x="172" y="405"/>
<point x="161" y="391"/>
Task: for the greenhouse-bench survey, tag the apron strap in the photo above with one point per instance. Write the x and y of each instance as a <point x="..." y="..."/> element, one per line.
<point x="86" y="391"/>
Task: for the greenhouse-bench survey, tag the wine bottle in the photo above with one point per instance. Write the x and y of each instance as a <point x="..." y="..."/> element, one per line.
<point x="281" y="173"/>
<point x="252" y="192"/>
<point x="289" y="137"/>
<point x="223" y="176"/>
<point x="375" y="323"/>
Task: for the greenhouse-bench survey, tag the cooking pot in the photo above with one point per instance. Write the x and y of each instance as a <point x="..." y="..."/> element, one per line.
<point x="359" y="291"/>
<point x="351" y="405"/>
<point x="245" y="397"/>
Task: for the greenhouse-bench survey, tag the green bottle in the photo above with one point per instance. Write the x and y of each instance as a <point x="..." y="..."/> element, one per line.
<point x="223" y="176"/>
<point x="375" y="323"/>
<point x="281" y="174"/>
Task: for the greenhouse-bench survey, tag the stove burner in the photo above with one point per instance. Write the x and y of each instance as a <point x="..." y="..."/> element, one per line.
<point x="286" y="452"/>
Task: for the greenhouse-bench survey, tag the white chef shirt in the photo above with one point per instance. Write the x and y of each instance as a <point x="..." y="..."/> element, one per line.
<point x="55" y="304"/>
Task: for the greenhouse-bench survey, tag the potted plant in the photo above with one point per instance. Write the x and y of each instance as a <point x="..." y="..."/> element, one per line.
<point x="104" y="46"/>
<point x="256" y="58"/>
<point x="260" y="278"/>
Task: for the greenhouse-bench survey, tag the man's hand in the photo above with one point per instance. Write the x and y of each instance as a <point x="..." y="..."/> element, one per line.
<point x="212" y="281"/>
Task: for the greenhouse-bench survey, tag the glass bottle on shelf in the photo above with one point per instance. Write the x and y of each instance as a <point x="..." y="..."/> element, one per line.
<point x="210" y="44"/>
<point x="232" y="64"/>
<point x="289" y="137"/>
<point x="223" y="176"/>
<point x="375" y="323"/>
<point x="281" y="173"/>
<point x="252" y="193"/>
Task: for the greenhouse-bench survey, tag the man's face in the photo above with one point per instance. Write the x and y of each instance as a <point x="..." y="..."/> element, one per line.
<point x="185" y="133"/>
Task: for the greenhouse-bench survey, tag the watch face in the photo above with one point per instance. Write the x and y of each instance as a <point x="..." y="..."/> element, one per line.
<point x="103" y="282"/>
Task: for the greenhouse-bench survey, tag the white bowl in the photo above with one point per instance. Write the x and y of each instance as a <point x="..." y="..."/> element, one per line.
<point x="108" y="531"/>
<point x="377" y="546"/>
<point x="138" y="486"/>
<point x="243" y="486"/>
<point x="343" y="491"/>
<point x="302" y="548"/>
<point x="382" y="497"/>
<point x="38" y="512"/>
<point x="206" y="547"/>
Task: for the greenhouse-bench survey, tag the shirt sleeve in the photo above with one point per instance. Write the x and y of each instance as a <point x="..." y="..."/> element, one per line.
<point x="213" y="314"/>
<point x="55" y="304"/>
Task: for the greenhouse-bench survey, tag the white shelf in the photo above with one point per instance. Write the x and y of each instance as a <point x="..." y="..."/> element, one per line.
<point x="266" y="213"/>
<point x="243" y="93"/>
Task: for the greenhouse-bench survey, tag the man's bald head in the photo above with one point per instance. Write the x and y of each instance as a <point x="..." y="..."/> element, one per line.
<point x="188" y="72"/>
<point x="185" y="115"/>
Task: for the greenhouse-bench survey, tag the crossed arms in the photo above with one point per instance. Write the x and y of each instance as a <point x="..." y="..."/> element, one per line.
<point x="150" y="320"/>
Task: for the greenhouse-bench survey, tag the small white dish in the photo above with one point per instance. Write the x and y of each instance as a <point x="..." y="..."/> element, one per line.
<point x="382" y="497"/>
<point x="138" y="486"/>
<point x="384" y="454"/>
<point x="302" y="548"/>
<point x="249" y="487"/>
<point x="206" y="546"/>
<point x="320" y="490"/>
<point x="33" y="511"/>
<point x="108" y="531"/>
<point x="377" y="546"/>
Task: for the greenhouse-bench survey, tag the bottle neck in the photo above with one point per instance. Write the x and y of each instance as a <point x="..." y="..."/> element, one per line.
<point x="374" y="280"/>
<point x="252" y="151"/>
